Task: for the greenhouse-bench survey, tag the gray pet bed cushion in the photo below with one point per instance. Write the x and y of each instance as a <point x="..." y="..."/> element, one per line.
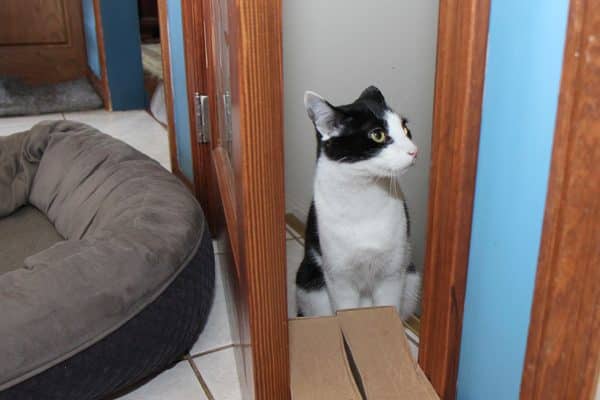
<point x="130" y="228"/>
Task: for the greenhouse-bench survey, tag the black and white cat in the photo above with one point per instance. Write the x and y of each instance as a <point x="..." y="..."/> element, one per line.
<point x="357" y="251"/>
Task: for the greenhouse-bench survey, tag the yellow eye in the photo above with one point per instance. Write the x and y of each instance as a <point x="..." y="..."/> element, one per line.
<point x="377" y="136"/>
<point x="405" y="129"/>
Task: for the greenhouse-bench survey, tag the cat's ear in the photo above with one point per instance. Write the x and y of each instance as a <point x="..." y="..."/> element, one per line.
<point x="323" y="115"/>
<point x="372" y="93"/>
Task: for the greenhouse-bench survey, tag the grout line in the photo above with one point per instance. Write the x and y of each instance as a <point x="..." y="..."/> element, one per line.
<point x="411" y="337"/>
<point x="298" y="238"/>
<point x="292" y="233"/>
<point x="300" y="241"/>
<point x="296" y="226"/>
<point x="201" y="380"/>
<point x="206" y="352"/>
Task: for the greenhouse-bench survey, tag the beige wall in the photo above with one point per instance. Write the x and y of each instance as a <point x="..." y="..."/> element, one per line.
<point x="339" y="47"/>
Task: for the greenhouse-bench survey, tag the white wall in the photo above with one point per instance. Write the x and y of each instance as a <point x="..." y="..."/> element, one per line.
<point x="339" y="47"/>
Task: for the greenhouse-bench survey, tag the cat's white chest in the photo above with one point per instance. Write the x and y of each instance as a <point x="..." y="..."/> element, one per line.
<point x="362" y="230"/>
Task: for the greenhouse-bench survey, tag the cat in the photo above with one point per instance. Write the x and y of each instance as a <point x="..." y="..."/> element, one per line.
<point x="357" y="251"/>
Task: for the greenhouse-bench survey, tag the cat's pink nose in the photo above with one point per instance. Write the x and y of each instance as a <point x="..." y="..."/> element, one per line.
<point x="413" y="153"/>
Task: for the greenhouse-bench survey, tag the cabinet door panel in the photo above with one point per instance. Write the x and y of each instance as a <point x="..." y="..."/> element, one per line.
<point x="41" y="41"/>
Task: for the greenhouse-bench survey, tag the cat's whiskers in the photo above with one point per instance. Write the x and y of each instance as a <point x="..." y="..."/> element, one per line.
<point x="391" y="183"/>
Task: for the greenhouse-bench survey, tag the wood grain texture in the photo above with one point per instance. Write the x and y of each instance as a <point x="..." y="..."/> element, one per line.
<point x="227" y="229"/>
<point x="60" y="57"/>
<point x="227" y="224"/>
<point x="461" y="54"/>
<point x="563" y="348"/>
<point x="227" y="189"/>
<point x="104" y="89"/>
<point x="33" y="22"/>
<point x="257" y="93"/>
<point x="206" y="189"/>
<point x="168" y="83"/>
<point x="250" y="180"/>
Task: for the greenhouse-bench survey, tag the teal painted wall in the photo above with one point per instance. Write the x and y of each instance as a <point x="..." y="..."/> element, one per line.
<point x="524" y="61"/>
<point x="120" y="26"/>
<point x="180" y="94"/>
<point x="91" y="39"/>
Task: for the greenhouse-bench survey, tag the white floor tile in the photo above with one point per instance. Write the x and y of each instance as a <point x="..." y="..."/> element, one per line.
<point x="10" y="125"/>
<point x="294" y="232"/>
<point x="121" y="122"/>
<point x="295" y="253"/>
<point x="220" y="374"/>
<point x="217" y="332"/>
<point x="136" y="128"/>
<point x="177" y="383"/>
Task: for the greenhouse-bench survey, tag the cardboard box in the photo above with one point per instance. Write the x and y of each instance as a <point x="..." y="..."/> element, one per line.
<point x="357" y="354"/>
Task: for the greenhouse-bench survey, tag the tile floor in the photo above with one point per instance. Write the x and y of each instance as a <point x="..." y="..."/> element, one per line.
<point x="209" y="371"/>
<point x="137" y="128"/>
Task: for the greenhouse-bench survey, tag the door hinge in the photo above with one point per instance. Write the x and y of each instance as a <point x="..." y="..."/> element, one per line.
<point x="202" y="112"/>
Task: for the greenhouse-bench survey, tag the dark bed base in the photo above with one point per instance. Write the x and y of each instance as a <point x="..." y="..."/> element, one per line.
<point x="155" y="339"/>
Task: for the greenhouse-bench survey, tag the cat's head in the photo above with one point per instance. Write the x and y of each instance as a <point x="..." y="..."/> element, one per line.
<point x="367" y="134"/>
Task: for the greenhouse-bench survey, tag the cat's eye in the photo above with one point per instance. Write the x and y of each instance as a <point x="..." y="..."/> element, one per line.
<point x="378" y="136"/>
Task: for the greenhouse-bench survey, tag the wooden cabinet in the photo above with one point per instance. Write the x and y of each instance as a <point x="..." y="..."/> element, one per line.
<point x="41" y="41"/>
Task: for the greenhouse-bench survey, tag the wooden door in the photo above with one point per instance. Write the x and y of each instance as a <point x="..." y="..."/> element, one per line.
<point x="41" y="41"/>
<point x="562" y="360"/>
<point x="242" y="77"/>
<point x="234" y="49"/>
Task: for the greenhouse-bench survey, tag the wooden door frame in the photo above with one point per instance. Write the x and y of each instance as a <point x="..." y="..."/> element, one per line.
<point x="163" y="26"/>
<point x="49" y="62"/>
<point x="246" y="209"/>
<point x="100" y="83"/>
<point x="203" y="185"/>
<point x="563" y="349"/>
<point x="460" y="71"/>
<point x="258" y="240"/>
<point x="259" y="90"/>
<point x="251" y="185"/>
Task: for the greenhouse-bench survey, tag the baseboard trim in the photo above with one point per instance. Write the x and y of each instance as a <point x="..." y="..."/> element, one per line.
<point x="100" y="88"/>
<point x="295" y="223"/>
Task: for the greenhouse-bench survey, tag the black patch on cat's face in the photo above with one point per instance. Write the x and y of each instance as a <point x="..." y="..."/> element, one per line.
<point x="405" y="126"/>
<point x="355" y="122"/>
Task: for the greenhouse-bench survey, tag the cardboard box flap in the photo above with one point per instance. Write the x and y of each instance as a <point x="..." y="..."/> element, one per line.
<point x="376" y="339"/>
<point x="319" y="370"/>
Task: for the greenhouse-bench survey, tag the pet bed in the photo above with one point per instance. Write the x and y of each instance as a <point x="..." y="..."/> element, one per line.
<point x="106" y="265"/>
